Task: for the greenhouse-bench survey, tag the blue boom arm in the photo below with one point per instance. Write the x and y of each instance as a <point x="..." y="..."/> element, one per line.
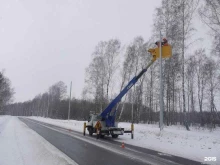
<point x="110" y="120"/>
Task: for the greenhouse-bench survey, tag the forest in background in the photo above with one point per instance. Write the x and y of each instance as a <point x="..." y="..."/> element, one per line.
<point x="191" y="80"/>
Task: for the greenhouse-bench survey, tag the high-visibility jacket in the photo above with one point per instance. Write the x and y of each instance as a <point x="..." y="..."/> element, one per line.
<point x="98" y="125"/>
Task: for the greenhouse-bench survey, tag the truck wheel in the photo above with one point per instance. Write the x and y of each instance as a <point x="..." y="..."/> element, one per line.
<point x="114" y="136"/>
<point x="97" y="136"/>
<point x="90" y="132"/>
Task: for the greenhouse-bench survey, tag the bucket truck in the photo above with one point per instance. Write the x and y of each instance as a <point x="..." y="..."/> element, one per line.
<point x="104" y="123"/>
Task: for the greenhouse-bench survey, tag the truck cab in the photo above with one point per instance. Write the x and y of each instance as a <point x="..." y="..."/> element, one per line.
<point x="105" y="130"/>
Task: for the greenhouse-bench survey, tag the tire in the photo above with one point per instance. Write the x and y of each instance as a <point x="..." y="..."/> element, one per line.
<point x="90" y="131"/>
<point x="114" y="136"/>
<point x="97" y="136"/>
<point x="102" y="136"/>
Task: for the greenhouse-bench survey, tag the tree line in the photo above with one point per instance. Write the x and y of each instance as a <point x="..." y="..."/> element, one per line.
<point x="6" y="92"/>
<point x="191" y="80"/>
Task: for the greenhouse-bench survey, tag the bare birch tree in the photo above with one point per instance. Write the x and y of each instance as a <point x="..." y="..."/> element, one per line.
<point x="210" y="14"/>
<point x="201" y="76"/>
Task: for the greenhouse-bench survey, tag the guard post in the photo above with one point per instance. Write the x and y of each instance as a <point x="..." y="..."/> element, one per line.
<point x="132" y="131"/>
<point x="84" y="129"/>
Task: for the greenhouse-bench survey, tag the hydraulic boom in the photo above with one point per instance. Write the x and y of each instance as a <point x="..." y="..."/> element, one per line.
<point x="110" y="120"/>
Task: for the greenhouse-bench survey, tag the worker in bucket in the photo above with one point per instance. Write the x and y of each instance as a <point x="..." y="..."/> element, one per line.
<point x="164" y="42"/>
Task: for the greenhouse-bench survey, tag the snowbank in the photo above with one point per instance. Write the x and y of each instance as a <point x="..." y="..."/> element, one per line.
<point x="175" y="140"/>
<point x="21" y="146"/>
<point x="71" y="124"/>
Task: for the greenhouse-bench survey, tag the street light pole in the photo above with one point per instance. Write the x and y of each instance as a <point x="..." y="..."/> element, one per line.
<point x="48" y="104"/>
<point x="69" y="100"/>
<point x="161" y="87"/>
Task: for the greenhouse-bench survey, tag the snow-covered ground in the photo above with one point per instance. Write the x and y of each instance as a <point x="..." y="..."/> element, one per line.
<point x="19" y="145"/>
<point x="195" y="144"/>
<point x="176" y="140"/>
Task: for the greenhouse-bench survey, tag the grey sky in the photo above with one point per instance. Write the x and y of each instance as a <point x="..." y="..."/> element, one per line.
<point x="44" y="41"/>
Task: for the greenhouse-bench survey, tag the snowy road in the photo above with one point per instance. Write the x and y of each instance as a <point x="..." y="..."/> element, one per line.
<point x="19" y="145"/>
<point x="195" y="144"/>
<point x="88" y="150"/>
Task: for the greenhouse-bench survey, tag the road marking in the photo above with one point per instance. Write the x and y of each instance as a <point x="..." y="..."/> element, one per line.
<point x="163" y="154"/>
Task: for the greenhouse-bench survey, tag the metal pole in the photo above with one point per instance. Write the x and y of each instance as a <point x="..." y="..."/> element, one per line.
<point x="69" y="100"/>
<point x="132" y="114"/>
<point x="161" y="87"/>
<point x="48" y="105"/>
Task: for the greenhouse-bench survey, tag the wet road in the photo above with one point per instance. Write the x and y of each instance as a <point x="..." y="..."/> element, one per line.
<point x="88" y="150"/>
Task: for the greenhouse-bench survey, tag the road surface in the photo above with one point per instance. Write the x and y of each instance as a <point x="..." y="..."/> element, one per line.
<point x="20" y="145"/>
<point x="88" y="150"/>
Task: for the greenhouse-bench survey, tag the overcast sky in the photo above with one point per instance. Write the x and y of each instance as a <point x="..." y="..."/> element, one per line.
<point x="45" y="41"/>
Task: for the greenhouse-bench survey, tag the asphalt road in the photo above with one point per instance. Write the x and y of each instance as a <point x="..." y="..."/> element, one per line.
<point x="86" y="150"/>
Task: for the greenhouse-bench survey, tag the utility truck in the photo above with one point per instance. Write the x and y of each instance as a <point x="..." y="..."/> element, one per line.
<point x="104" y="123"/>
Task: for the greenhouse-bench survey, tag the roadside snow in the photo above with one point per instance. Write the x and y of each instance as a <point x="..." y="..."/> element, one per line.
<point x="175" y="140"/>
<point x="71" y="124"/>
<point x="19" y="145"/>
